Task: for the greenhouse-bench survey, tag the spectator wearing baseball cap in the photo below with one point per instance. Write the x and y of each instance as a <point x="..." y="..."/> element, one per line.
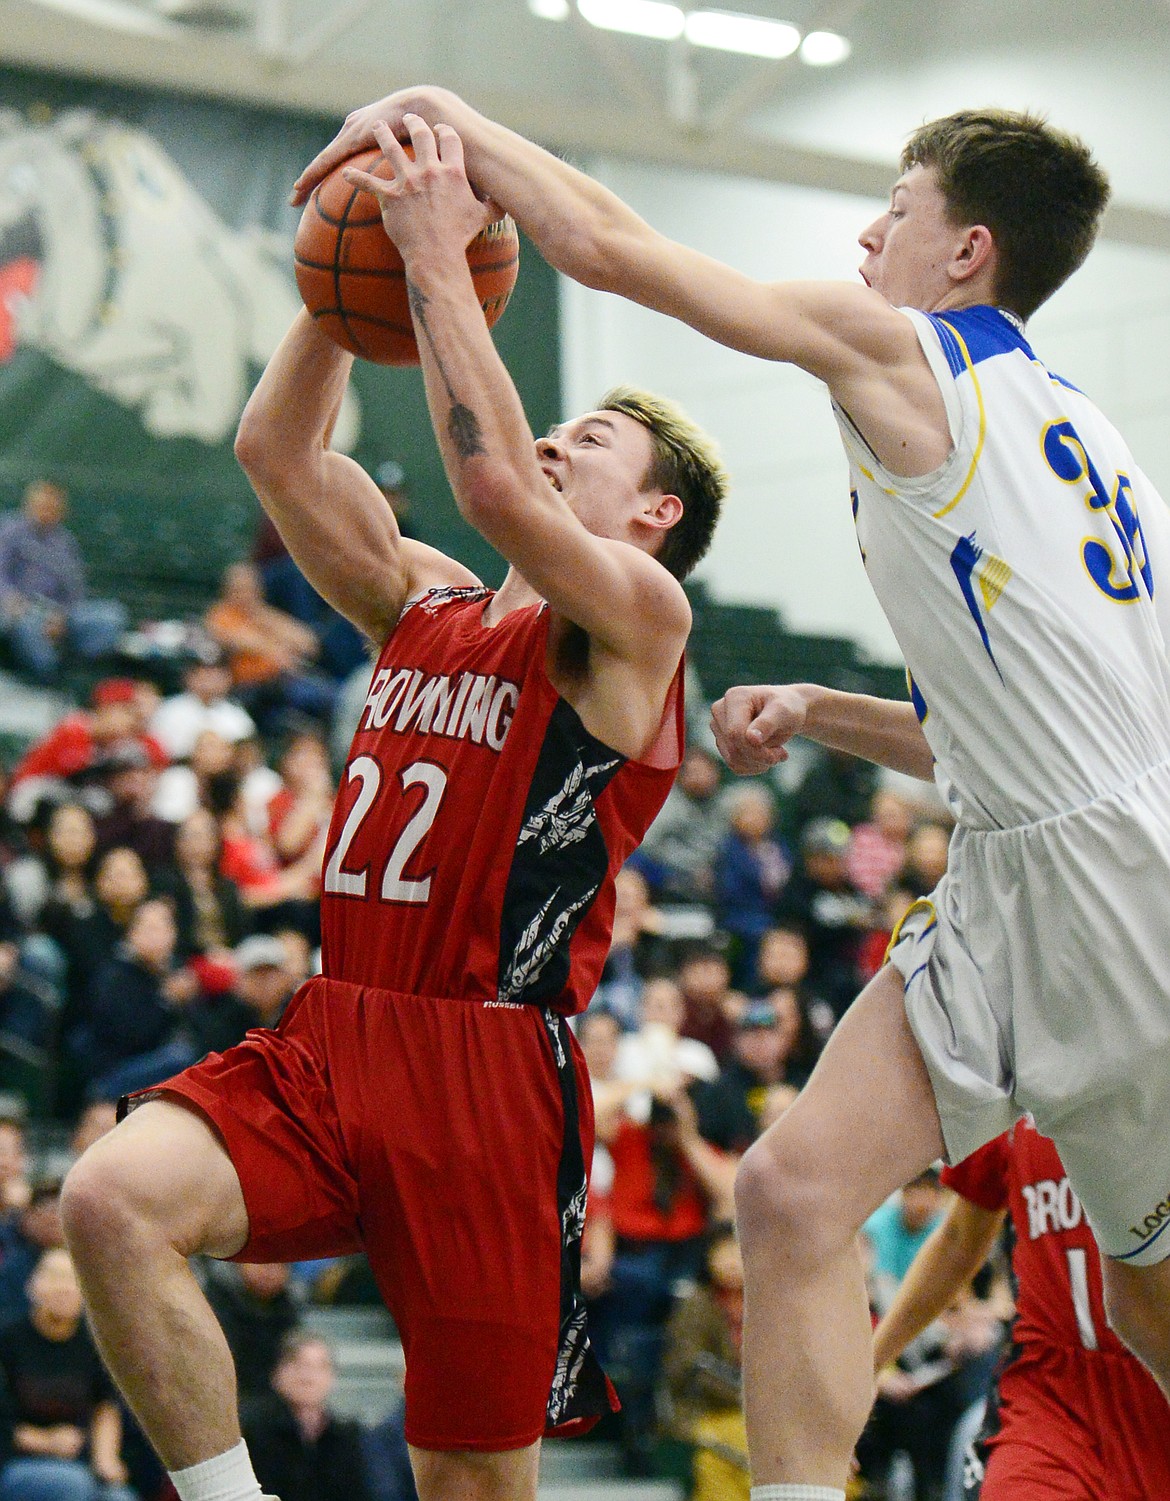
<point x="772" y="1044"/>
<point x="78" y="742"/>
<point x="259" y="984"/>
<point x="264" y="978"/>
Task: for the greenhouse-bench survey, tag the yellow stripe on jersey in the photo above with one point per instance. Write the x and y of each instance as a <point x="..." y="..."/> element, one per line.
<point x="923" y="904"/>
<point x="993" y="579"/>
<point x="873" y="481"/>
<point x="970" y="363"/>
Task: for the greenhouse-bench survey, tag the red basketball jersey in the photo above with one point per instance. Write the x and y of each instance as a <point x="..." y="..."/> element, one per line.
<point x="1057" y="1266"/>
<point x="479" y="825"/>
<point x="1073" y="1416"/>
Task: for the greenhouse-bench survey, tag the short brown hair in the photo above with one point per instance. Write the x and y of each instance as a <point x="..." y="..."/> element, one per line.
<point x="685" y="462"/>
<point x="1037" y="190"/>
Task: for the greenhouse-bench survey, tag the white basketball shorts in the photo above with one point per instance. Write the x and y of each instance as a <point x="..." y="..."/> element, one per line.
<point x="1037" y="978"/>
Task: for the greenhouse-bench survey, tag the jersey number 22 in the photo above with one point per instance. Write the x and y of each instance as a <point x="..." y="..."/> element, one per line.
<point x="396" y="887"/>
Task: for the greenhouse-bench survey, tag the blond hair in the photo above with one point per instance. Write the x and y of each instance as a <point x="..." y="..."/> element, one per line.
<point x="685" y="462"/>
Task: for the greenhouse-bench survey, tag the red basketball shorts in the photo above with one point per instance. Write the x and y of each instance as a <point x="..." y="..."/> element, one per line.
<point x="1072" y="1425"/>
<point x="448" y="1140"/>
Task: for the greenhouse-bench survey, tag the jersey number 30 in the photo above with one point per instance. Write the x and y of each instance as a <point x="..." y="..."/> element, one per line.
<point x="396" y="887"/>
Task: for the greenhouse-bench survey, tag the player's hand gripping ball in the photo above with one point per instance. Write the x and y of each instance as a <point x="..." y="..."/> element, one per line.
<point x="351" y="277"/>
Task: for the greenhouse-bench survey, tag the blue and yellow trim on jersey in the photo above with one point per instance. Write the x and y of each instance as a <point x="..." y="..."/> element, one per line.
<point x="950" y="344"/>
<point x="992" y="578"/>
<point x="923" y="904"/>
<point x="967" y="337"/>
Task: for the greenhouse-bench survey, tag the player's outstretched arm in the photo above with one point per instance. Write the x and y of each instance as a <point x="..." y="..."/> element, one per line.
<point x="623" y="598"/>
<point x="753" y="726"/>
<point x="835" y="330"/>
<point x="951" y="1255"/>
<point x="333" y="518"/>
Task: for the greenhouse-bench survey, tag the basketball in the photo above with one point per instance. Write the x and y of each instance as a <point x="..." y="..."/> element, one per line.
<point x="351" y="277"/>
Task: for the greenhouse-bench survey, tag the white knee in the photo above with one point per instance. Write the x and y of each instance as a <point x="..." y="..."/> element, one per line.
<point x="159" y="1182"/>
<point x="96" y="1206"/>
<point x="785" y="1203"/>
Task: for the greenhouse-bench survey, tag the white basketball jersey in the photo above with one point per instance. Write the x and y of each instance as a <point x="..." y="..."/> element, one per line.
<point x="1027" y="581"/>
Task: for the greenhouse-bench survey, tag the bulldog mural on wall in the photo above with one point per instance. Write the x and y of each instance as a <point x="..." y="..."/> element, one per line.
<point x="113" y="266"/>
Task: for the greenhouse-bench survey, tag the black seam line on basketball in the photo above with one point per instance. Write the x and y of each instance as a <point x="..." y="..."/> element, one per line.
<point x="337" y="270"/>
<point x="330" y="219"/>
<point x="396" y="273"/>
<point x="388" y="273"/>
<point x="382" y="323"/>
<point x="345" y="218"/>
<point x="332" y="312"/>
<point x="339" y="314"/>
<point x="487" y="267"/>
<point x="347" y="315"/>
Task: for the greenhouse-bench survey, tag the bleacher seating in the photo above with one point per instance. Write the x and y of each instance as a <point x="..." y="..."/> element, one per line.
<point x="740" y="643"/>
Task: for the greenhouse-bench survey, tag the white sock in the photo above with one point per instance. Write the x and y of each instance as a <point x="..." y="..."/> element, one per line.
<point x="791" y="1493"/>
<point x="227" y="1477"/>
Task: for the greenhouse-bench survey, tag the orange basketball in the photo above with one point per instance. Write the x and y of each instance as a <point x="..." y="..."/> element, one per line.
<point x="351" y="276"/>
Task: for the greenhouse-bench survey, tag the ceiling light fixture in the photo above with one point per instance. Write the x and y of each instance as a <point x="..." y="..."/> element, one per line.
<point x="652" y="18"/>
<point x="731" y="31"/>
<point x="550" y="10"/>
<point x="725" y="30"/>
<point x="824" y="49"/>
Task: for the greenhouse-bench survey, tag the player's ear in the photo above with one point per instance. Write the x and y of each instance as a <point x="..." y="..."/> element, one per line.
<point x="662" y="511"/>
<point x="975" y="253"/>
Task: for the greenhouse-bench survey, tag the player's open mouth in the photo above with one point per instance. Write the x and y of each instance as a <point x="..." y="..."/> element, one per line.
<point x="552" y="479"/>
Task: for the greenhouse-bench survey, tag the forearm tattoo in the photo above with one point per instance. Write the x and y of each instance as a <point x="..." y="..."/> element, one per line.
<point x="462" y="424"/>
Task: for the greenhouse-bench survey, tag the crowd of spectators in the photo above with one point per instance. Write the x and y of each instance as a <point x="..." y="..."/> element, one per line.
<point x="160" y="856"/>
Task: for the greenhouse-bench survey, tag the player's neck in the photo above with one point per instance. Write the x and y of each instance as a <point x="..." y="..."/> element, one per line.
<point x="515" y="593"/>
<point x="980" y="294"/>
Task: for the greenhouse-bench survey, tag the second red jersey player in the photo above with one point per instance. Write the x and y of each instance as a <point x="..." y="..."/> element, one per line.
<point x="1072" y="1415"/>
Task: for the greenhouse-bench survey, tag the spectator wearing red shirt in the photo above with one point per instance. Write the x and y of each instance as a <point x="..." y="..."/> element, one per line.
<point x="77" y="743"/>
<point x="665" y="1178"/>
<point x="284" y="894"/>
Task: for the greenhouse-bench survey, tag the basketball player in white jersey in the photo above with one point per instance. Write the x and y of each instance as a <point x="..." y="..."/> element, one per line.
<point x="1024" y="563"/>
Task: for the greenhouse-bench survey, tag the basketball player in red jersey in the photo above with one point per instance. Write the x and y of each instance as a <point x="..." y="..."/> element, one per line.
<point x="1073" y="1416"/>
<point x="424" y="1099"/>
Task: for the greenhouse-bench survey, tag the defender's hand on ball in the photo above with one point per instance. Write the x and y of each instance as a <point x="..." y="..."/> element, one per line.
<point x="429" y="208"/>
<point x="356" y="134"/>
<point x="753" y="726"/>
